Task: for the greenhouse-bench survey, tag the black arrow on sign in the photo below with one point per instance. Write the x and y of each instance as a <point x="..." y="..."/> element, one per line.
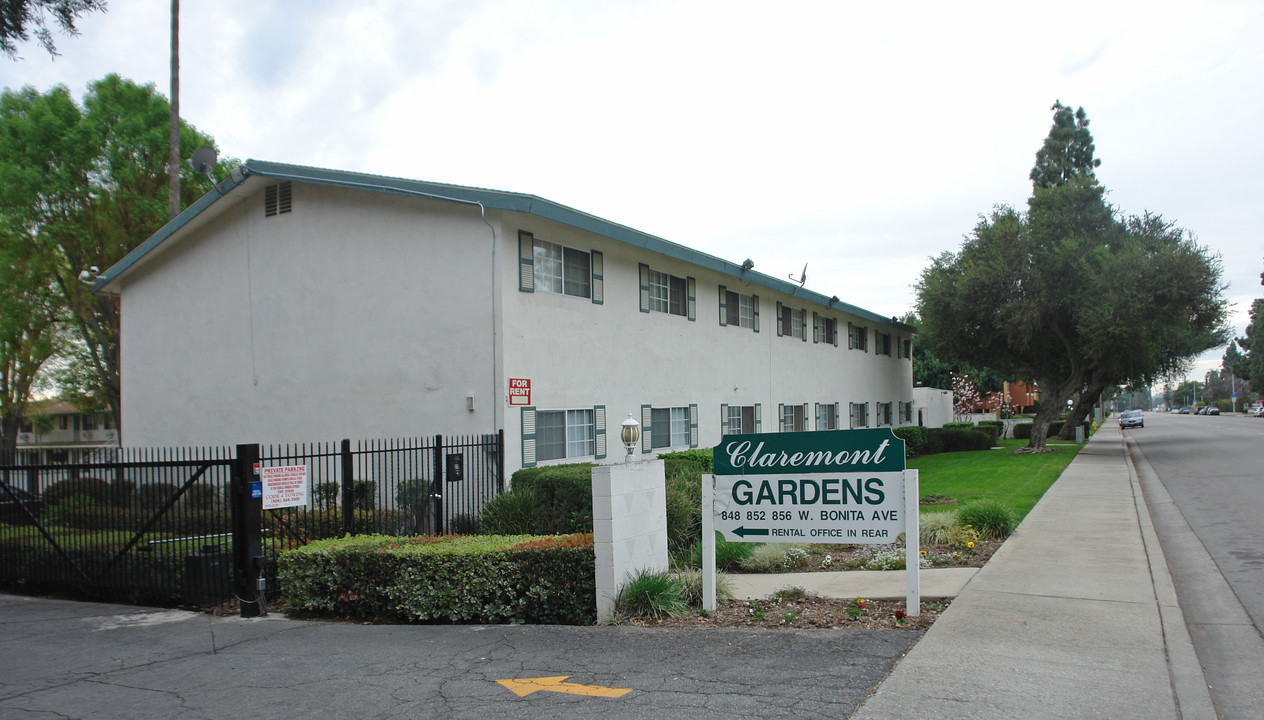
<point x="743" y="532"/>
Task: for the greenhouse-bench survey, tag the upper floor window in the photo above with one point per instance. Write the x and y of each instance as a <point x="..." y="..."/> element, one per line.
<point x="793" y="322"/>
<point x="549" y="267"/>
<point x="665" y="293"/>
<point x="882" y="343"/>
<point x="906" y="348"/>
<point x="824" y="329"/>
<point x="857" y="337"/>
<point x="739" y="310"/>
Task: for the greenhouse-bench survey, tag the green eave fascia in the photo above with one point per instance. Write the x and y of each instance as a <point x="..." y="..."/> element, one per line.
<point x="485" y="199"/>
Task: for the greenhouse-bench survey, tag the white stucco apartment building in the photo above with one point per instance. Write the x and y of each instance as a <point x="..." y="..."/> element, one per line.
<point x="297" y="304"/>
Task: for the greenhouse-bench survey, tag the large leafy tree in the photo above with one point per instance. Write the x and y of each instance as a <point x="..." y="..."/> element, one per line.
<point x="86" y="184"/>
<point x="1059" y="293"/>
<point x="30" y="333"/>
<point x="20" y="18"/>
<point x="1249" y="363"/>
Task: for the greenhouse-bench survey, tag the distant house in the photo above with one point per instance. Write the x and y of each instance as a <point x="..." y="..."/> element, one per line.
<point x="56" y="432"/>
<point x="297" y="304"/>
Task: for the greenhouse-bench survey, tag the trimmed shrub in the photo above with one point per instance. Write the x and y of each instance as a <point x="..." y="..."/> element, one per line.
<point x="934" y="440"/>
<point x="992" y="520"/>
<point x="914" y="437"/>
<point x="965" y="440"/>
<point x="684" y="508"/>
<point x="95" y="489"/>
<point x="562" y="496"/>
<point x="1022" y="431"/>
<point x="964" y="425"/>
<point x="153" y="496"/>
<point x="465" y="579"/>
<point x="698" y="456"/>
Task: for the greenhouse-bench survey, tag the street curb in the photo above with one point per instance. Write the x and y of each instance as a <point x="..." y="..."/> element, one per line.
<point x="1189" y="685"/>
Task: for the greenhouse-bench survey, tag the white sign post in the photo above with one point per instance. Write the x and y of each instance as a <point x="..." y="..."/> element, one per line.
<point x="841" y="487"/>
<point x="284" y="486"/>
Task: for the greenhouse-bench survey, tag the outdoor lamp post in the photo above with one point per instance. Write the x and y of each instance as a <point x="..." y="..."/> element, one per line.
<point x="630" y="434"/>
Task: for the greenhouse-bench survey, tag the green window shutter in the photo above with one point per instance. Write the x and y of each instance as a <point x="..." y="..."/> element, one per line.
<point x="691" y="288"/>
<point x="816" y="328"/>
<point x="599" y="425"/>
<point x="781" y="417"/>
<point x="693" y="425"/>
<point x="755" y="304"/>
<point x="598" y="278"/>
<point x="645" y="287"/>
<point x="758" y="420"/>
<point x="646" y="416"/>
<point x="805" y="416"/>
<point x="526" y="261"/>
<point x="803" y="325"/>
<point x="528" y="437"/>
<point x="724" y="419"/>
<point x="777" y="320"/>
<point x="835" y="333"/>
<point x="837" y="410"/>
<point x="724" y="308"/>
<point x="819" y="419"/>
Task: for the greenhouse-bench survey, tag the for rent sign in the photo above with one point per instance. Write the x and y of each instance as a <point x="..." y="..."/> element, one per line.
<point x="842" y="486"/>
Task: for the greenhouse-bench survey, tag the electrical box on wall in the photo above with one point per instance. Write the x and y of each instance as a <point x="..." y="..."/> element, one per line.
<point x="455" y="468"/>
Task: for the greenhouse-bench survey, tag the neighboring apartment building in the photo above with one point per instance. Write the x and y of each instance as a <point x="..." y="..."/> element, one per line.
<point x="297" y="304"/>
<point x="55" y="432"/>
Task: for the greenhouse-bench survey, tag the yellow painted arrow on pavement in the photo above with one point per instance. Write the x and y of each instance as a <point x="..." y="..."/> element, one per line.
<point x="525" y="686"/>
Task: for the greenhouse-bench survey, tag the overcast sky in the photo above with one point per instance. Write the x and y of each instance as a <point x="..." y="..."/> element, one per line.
<point x="859" y="138"/>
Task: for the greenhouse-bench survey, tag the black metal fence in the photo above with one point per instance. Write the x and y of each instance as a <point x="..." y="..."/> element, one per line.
<point x="157" y="525"/>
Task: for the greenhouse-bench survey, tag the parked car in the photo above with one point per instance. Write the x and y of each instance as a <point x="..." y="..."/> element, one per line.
<point x="11" y="511"/>
<point x="1184" y="411"/>
<point x="1259" y="412"/>
<point x="1131" y="418"/>
<point x="1213" y="411"/>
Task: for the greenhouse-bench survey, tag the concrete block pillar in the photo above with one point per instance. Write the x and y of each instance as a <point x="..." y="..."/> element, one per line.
<point x="629" y="525"/>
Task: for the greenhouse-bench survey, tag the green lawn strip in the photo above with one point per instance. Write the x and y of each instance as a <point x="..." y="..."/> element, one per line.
<point x="1015" y="479"/>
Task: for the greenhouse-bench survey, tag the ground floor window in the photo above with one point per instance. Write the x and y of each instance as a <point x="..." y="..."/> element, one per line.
<point x="670" y="427"/>
<point x="740" y="419"/>
<point x="884" y="413"/>
<point x="793" y="418"/>
<point x="564" y="434"/>
<point x="827" y="416"/>
<point x="859" y="415"/>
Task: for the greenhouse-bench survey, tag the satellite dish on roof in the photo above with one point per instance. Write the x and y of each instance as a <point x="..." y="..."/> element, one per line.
<point x="803" y="278"/>
<point x="203" y="160"/>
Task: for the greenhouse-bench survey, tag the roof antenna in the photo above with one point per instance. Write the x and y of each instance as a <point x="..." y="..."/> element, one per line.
<point x="803" y="277"/>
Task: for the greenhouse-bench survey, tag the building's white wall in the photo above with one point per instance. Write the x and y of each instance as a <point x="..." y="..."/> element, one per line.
<point x="578" y="354"/>
<point x="357" y="315"/>
<point x="932" y="407"/>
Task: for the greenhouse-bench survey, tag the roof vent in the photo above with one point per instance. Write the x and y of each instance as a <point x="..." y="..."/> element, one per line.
<point x="276" y="199"/>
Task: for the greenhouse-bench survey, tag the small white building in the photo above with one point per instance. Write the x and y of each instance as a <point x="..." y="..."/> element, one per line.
<point x="297" y="304"/>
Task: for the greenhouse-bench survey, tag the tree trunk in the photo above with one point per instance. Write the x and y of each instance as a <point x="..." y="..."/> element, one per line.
<point x="1088" y="400"/>
<point x="1053" y="399"/>
<point x="9" y="426"/>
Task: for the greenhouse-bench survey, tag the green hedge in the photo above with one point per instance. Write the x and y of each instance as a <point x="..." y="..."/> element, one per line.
<point x="542" y="501"/>
<point x="959" y="440"/>
<point x="468" y="579"/>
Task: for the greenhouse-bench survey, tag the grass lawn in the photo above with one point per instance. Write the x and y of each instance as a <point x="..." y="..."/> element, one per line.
<point x="1017" y="480"/>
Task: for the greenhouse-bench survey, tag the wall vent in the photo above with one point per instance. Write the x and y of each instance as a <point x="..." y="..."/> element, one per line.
<point x="276" y="199"/>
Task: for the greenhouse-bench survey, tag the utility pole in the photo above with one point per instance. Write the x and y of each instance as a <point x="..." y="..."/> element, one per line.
<point x="173" y="157"/>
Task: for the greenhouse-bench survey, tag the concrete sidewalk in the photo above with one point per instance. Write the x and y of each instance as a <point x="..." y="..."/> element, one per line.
<point x="1075" y="616"/>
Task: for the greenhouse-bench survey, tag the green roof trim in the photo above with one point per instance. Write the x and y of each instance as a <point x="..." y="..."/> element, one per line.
<point x="493" y="199"/>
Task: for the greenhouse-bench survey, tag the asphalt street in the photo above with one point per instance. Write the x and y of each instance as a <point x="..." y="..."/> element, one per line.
<point x="1202" y="481"/>
<point x="61" y="659"/>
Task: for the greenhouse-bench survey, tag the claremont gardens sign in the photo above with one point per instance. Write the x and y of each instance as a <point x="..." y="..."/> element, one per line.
<point x="842" y="487"/>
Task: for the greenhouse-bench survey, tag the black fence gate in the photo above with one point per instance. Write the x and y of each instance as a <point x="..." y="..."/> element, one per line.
<point x="171" y="526"/>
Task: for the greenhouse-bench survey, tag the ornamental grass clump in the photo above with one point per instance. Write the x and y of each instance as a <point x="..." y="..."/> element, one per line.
<point x="652" y="595"/>
<point x="993" y="520"/>
<point x="773" y="557"/>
